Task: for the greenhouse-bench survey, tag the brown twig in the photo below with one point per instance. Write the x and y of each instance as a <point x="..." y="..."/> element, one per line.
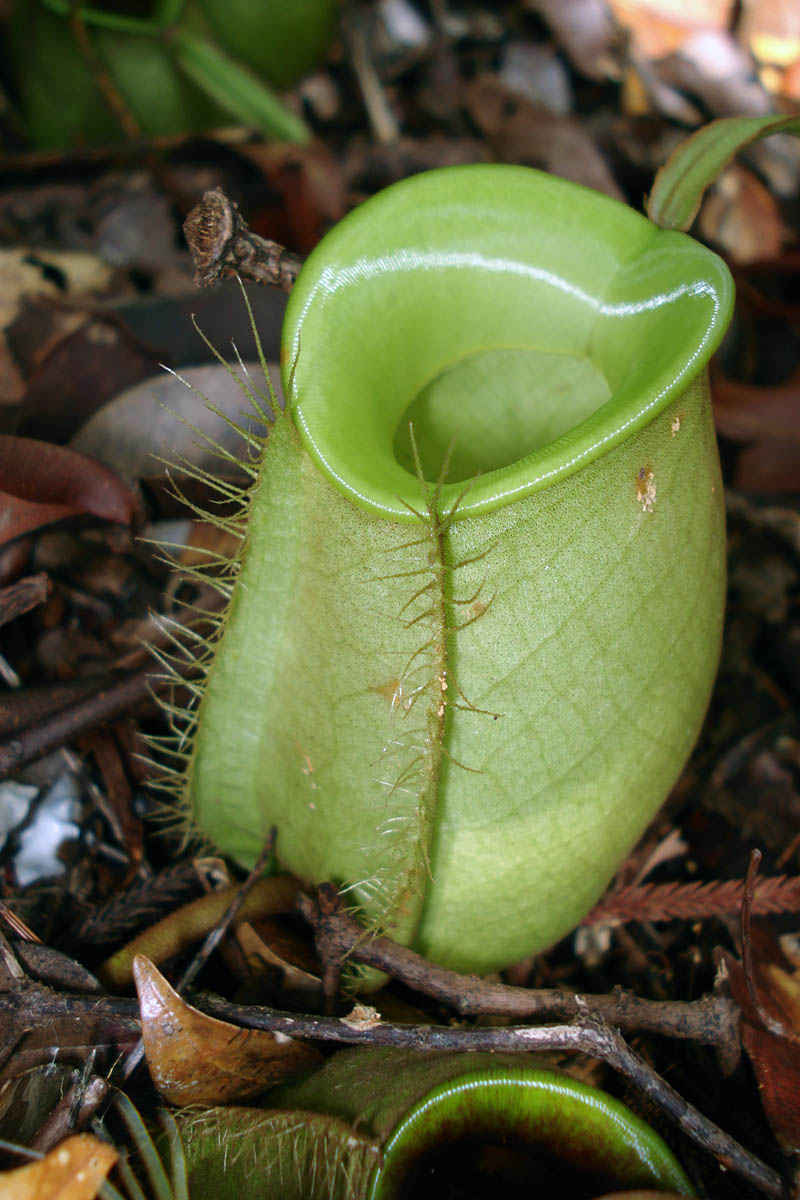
<point x="234" y="908"/>
<point x="114" y="1021"/>
<point x="222" y="245"/>
<point x="32" y="1005"/>
<point x="108" y="89"/>
<point x="712" y="1019"/>
<point x="328" y="905"/>
<point x="586" y="1036"/>
<point x="73" y="1111"/>
<point x="111" y="699"/>
<point x="22" y="596"/>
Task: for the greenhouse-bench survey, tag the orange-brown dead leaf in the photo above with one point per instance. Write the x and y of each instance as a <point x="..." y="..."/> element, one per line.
<point x="771" y="29"/>
<point x="72" y="1171"/>
<point x="272" y="951"/>
<point x="41" y="483"/>
<point x="196" y="1059"/>
<point x="775" y="1058"/>
<point x="660" y="27"/>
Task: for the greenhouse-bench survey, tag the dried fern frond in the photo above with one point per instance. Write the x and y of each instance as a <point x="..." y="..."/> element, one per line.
<point x="695" y="901"/>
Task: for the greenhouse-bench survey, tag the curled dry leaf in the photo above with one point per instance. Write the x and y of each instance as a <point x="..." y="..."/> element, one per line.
<point x="190" y="922"/>
<point x="41" y="483"/>
<point x="774" y="1054"/>
<point x="196" y="1059"/>
<point x="282" y="962"/>
<point x="72" y="1171"/>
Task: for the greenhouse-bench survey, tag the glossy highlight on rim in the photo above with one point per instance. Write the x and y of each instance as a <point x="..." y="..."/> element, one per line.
<point x="688" y="275"/>
<point x="534" y="1089"/>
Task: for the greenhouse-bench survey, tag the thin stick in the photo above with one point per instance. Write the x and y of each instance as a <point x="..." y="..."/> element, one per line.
<point x="586" y="1037"/>
<point x="221" y="928"/>
<point x="712" y="1019"/>
<point x="110" y="700"/>
<point x="22" y="596"/>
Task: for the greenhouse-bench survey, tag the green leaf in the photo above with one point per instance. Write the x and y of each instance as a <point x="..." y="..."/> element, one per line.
<point x="236" y="89"/>
<point x="697" y="162"/>
<point x="165" y="13"/>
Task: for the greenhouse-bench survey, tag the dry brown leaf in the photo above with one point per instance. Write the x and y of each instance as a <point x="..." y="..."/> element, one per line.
<point x="745" y="412"/>
<point x="196" y="1059"/>
<point x="586" y="32"/>
<point x="276" y="954"/>
<point x="41" y="483"/>
<point x="767" y="421"/>
<point x="771" y="29"/>
<point x="775" y="1058"/>
<point x="521" y="132"/>
<point x="660" y="27"/>
<point x="72" y="1171"/>
<point x="742" y="218"/>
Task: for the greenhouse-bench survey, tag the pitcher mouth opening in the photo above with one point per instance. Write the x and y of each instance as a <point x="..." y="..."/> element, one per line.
<point x="519" y="323"/>
<point x="494" y="406"/>
<point x="480" y="1167"/>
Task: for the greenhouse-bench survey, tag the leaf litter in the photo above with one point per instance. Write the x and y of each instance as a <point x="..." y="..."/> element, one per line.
<point x="616" y="86"/>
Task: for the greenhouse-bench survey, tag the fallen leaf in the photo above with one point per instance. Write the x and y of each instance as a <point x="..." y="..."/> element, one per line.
<point x="162" y="417"/>
<point x="744" y="412"/>
<point x="775" y="1056"/>
<point x="741" y="217"/>
<point x="659" y="27"/>
<point x="771" y="29"/>
<point x="76" y="373"/>
<point x="586" y="31"/>
<point x="713" y="68"/>
<point x="72" y="1171"/>
<point x="766" y="421"/>
<point x="281" y="962"/>
<point x="521" y="132"/>
<point x="196" y="1059"/>
<point x="41" y="483"/>
<point x="310" y="192"/>
<point x="769" y="465"/>
<point x="12" y="387"/>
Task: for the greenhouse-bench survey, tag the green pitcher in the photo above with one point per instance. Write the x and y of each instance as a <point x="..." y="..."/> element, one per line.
<point x="476" y="616"/>
<point x="382" y="1124"/>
